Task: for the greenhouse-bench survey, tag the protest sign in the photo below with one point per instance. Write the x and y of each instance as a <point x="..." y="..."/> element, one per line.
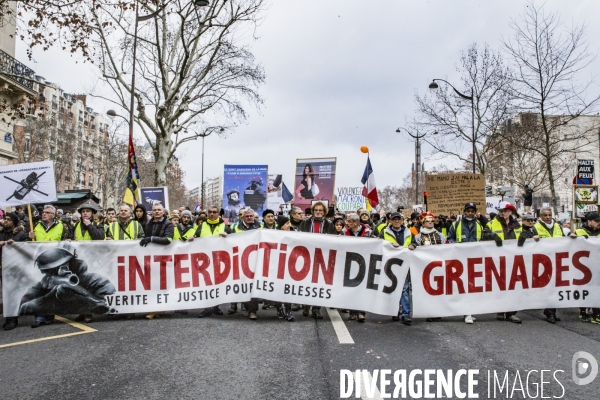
<point x="585" y="172"/>
<point x="27" y="183"/>
<point x="155" y="195"/>
<point x="492" y="204"/>
<point x="244" y="186"/>
<point x="315" y="180"/>
<point x="274" y="192"/>
<point x="122" y="277"/>
<point x="350" y="198"/>
<point x="448" y="193"/>
<point x="480" y="278"/>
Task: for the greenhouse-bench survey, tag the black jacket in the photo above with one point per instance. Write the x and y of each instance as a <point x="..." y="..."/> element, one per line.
<point x="160" y="232"/>
<point x="18" y="234"/>
<point x="328" y="228"/>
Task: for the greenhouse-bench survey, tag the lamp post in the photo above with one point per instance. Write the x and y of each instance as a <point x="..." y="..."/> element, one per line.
<point x="417" y="138"/>
<point x="434" y="86"/>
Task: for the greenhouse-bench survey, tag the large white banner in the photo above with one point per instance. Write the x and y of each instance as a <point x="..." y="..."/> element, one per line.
<point x="480" y="278"/>
<point x="27" y="183"/>
<point x="122" y="277"/>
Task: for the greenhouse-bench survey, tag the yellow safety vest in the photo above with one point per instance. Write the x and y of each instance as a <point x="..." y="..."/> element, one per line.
<point x="380" y="227"/>
<point x="79" y="236"/>
<point x="389" y="236"/>
<point x="53" y="234"/>
<point x="132" y="230"/>
<point x="583" y="232"/>
<point x="496" y="227"/>
<point x="458" y="230"/>
<point x="206" y="230"/>
<point x="542" y="231"/>
<point x="186" y="235"/>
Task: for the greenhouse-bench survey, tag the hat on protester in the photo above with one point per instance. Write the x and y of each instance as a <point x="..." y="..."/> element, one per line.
<point x="90" y="205"/>
<point x="414" y="215"/>
<point x="470" y="205"/>
<point x="60" y="211"/>
<point x="426" y="215"/>
<point x="267" y="212"/>
<point x="364" y="212"/>
<point x="593" y="216"/>
<point x="505" y="205"/>
<point x="187" y="212"/>
<point x="13" y="217"/>
<point x="281" y="221"/>
<point x="397" y="215"/>
<point x="529" y="217"/>
<point x="338" y="219"/>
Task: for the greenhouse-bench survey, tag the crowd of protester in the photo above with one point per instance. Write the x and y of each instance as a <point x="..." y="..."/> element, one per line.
<point x="162" y="227"/>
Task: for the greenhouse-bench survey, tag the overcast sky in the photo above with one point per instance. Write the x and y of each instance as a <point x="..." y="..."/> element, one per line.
<point x="341" y="74"/>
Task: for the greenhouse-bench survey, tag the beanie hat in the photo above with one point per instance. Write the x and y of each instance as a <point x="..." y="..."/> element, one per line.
<point x="281" y="221"/>
<point x="267" y="212"/>
<point x="13" y="217"/>
<point x="187" y="212"/>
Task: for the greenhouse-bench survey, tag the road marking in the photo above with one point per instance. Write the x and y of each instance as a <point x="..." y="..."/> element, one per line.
<point x="77" y="325"/>
<point x="340" y="327"/>
<point x="359" y="376"/>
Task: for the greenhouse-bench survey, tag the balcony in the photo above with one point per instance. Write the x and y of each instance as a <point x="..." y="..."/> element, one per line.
<point x="17" y="72"/>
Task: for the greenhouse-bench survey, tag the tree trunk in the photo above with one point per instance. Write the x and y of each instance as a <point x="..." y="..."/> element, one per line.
<point x="161" y="155"/>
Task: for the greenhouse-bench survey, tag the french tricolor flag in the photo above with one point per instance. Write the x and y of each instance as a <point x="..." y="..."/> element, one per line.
<point x="369" y="189"/>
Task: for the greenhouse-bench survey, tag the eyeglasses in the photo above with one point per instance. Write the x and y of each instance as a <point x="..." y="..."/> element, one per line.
<point x="318" y="211"/>
<point x="428" y="219"/>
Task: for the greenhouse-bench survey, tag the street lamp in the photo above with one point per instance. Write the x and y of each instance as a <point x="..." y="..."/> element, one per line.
<point x="434" y="86"/>
<point x="417" y="138"/>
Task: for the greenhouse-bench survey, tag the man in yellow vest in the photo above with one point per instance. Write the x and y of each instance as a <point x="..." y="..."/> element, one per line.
<point x="546" y="228"/>
<point x="213" y="226"/>
<point x="591" y="227"/>
<point x="400" y="236"/>
<point x="184" y="230"/>
<point x="85" y="230"/>
<point x="125" y="227"/>
<point x="48" y="229"/>
<point x="504" y="227"/>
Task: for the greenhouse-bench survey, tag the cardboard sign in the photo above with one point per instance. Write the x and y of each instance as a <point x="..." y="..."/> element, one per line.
<point x="448" y="193"/>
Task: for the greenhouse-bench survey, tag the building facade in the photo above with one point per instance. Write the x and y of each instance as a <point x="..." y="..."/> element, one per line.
<point x="213" y="192"/>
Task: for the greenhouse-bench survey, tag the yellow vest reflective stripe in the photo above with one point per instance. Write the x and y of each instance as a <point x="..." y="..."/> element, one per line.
<point x="392" y="239"/>
<point x="496" y="227"/>
<point x="54" y="234"/>
<point x="458" y="231"/>
<point x="133" y="230"/>
<point x="543" y="231"/>
<point x="206" y="231"/>
<point x="380" y="227"/>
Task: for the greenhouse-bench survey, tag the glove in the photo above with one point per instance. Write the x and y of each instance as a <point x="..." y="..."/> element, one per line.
<point x="144" y="242"/>
<point x="521" y="241"/>
<point x="498" y="240"/>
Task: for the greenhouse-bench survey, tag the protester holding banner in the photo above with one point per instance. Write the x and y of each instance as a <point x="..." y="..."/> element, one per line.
<point x="87" y="229"/>
<point x="10" y="232"/>
<point x="504" y="227"/>
<point x="284" y="310"/>
<point x="400" y="236"/>
<point x="159" y="230"/>
<point x="140" y="214"/>
<point x="295" y="218"/>
<point x="591" y="227"/>
<point x="184" y="230"/>
<point x="339" y="225"/>
<point x="468" y="228"/>
<point x="428" y="235"/>
<point x="317" y="223"/>
<point x="358" y="228"/>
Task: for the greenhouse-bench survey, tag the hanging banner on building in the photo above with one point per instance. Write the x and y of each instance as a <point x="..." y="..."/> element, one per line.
<point x="480" y="278"/>
<point x="315" y="180"/>
<point x="585" y="172"/>
<point x="244" y="186"/>
<point x="350" y="198"/>
<point x="275" y="192"/>
<point x="27" y="183"/>
<point x="155" y="195"/>
<point x="122" y="277"/>
<point x="448" y="193"/>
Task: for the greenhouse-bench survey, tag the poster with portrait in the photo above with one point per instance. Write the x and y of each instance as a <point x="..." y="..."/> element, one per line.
<point x="275" y="192"/>
<point x="244" y="186"/>
<point x="315" y="180"/>
<point x="155" y="195"/>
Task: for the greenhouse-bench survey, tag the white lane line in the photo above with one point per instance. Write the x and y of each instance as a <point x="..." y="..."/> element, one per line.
<point x="340" y="327"/>
<point x="360" y="378"/>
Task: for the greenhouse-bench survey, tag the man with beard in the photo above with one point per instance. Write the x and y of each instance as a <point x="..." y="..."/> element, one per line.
<point x="9" y="234"/>
<point x="234" y="206"/>
<point x="296" y="218"/>
<point x="184" y="229"/>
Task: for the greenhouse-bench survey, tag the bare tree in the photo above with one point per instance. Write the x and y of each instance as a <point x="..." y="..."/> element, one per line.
<point x="484" y="76"/>
<point x="193" y="76"/>
<point x="548" y="59"/>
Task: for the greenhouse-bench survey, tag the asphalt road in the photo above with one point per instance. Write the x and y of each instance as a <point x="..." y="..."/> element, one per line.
<point x="230" y="357"/>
